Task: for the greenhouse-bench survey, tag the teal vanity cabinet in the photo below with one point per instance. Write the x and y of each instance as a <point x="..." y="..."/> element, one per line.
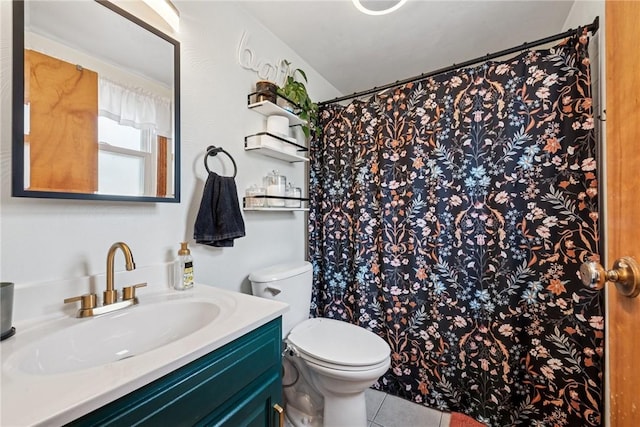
<point x="238" y="384"/>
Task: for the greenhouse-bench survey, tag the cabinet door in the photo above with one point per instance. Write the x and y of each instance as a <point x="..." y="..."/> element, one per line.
<point x="253" y="408"/>
<point x="238" y="380"/>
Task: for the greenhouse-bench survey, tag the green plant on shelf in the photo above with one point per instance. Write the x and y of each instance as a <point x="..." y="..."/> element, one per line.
<point x="296" y="91"/>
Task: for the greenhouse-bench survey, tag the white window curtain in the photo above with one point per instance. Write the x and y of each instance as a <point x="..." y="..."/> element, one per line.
<point x="135" y="107"/>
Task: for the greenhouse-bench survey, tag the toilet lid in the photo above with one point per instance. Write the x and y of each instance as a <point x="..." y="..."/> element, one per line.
<point x="338" y="342"/>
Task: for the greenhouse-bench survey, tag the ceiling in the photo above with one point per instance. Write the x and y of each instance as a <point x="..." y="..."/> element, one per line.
<point x="99" y="32"/>
<point x="355" y="52"/>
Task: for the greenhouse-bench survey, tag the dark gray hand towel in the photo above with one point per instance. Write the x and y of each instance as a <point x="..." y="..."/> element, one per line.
<point x="219" y="219"/>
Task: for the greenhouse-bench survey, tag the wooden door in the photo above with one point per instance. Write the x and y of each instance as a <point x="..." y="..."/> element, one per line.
<point x="623" y="203"/>
<point x="63" y="134"/>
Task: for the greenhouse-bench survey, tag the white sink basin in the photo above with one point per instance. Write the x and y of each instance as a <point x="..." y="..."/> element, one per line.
<point x="115" y="336"/>
<point x="58" y="368"/>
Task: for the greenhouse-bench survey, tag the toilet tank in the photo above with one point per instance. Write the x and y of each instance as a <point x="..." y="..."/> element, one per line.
<point x="290" y="283"/>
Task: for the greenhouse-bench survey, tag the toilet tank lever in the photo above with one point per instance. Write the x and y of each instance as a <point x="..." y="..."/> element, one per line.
<point x="273" y="289"/>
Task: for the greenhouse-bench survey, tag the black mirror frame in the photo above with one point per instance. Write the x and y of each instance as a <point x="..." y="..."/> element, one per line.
<point x="17" y="155"/>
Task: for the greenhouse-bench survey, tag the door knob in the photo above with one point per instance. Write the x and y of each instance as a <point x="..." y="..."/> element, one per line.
<point x="625" y="274"/>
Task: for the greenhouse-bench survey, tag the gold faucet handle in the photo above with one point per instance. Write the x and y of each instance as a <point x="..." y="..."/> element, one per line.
<point x="87" y="301"/>
<point x="109" y="297"/>
<point x="129" y="292"/>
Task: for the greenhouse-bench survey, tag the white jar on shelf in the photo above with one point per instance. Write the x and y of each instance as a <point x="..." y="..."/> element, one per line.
<point x="260" y="202"/>
<point x="292" y="192"/>
<point x="276" y="186"/>
<point x="253" y="199"/>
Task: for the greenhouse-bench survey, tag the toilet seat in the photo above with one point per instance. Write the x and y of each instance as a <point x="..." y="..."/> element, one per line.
<point x="337" y="367"/>
<point x="338" y="345"/>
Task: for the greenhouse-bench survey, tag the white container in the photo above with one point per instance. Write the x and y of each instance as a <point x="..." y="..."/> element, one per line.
<point x="278" y="125"/>
<point x="264" y="140"/>
<point x="292" y="192"/>
<point x="271" y="142"/>
<point x="276" y="185"/>
<point x="252" y="200"/>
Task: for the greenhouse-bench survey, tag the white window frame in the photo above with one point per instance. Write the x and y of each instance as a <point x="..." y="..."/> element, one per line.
<point x="148" y="177"/>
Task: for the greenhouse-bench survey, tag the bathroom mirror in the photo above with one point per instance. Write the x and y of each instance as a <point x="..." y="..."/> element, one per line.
<point x="95" y="104"/>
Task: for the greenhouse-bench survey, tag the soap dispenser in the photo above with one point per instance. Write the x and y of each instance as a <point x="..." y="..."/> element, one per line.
<point x="183" y="278"/>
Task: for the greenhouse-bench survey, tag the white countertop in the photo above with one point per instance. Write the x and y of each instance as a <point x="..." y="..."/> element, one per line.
<point x="54" y="399"/>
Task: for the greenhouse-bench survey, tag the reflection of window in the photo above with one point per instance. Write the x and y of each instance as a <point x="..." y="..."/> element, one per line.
<point x="125" y="159"/>
<point x="135" y="150"/>
<point x="26" y="159"/>
<point x="27" y="119"/>
<point x="120" y="173"/>
<point x="134" y="107"/>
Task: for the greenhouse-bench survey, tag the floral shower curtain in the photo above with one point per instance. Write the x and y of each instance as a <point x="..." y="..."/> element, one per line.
<point x="450" y="216"/>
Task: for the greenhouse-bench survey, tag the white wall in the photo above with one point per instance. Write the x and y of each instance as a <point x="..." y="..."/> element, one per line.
<point x="43" y="240"/>
<point x="584" y="12"/>
<point x="50" y="47"/>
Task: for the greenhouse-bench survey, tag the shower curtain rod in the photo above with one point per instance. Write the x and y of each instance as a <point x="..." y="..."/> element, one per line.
<point x="593" y="28"/>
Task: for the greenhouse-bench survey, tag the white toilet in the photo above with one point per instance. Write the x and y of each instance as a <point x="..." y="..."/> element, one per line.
<point x="328" y="363"/>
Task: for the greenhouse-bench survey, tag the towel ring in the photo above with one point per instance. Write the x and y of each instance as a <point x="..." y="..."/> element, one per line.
<point x="213" y="151"/>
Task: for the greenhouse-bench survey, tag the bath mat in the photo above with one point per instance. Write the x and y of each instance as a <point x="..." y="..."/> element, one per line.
<point x="461" y="420"/>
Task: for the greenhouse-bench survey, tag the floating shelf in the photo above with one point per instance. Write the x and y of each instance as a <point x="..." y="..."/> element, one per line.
<point x="271" y="145"/>
<point x="277" y="154"/>
<point x="277" y="209"/>
<point x="302" y="201"/>
<point x="259" y="142"/>
<point x="268" y="108"/>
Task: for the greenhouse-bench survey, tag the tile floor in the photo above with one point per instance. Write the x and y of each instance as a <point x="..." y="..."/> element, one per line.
<point x="384" y="410"/>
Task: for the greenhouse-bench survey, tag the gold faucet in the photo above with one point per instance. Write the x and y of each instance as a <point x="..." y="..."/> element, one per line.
<point x="111" y="295"/>
<point x="88" y="302"/>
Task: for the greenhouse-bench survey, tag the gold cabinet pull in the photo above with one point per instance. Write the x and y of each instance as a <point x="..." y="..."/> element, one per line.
<point x="625" y="274"/>
<point x="280" y="412"/>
